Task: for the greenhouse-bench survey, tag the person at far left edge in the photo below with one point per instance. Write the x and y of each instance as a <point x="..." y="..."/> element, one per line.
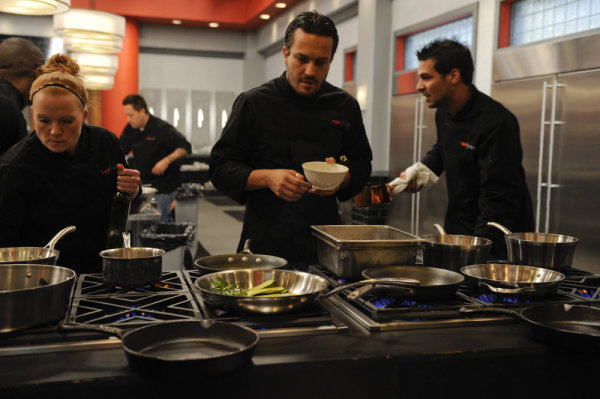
<point x="64" y="174"/>
<point x="274" y="128"/>
<point x="155" y="145"/>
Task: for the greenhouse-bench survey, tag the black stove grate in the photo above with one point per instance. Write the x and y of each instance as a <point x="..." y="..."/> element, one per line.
<point x="92" y="284"/>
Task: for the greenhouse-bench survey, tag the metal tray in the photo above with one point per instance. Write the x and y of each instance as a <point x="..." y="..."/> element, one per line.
<point x="346" y="250"/>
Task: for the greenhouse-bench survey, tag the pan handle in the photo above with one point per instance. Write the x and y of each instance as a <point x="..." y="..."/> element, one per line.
<point x="402" y="282"/>
<point x="246" y="249"/>
<point x="500" y="227"/>
<point x="506" y="291"/>
<point x="354" y="295"/>
<point x="92" y="327"/>
<point x="59" y="235"/>
<point x="439" y="228"/>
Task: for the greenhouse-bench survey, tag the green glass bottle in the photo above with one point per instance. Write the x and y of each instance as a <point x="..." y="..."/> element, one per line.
<point x="117" y="222"/>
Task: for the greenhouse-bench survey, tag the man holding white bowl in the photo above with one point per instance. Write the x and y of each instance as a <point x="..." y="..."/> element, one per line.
<point x="277" y="127"/>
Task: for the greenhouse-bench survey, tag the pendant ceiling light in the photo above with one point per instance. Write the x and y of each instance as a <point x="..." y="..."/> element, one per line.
<point x="90" y="24"/>
<point x="106" y="64"/>
<point x="35" y="7"/>
<point x="92" y="46"/>
<point x="98" y="81"/>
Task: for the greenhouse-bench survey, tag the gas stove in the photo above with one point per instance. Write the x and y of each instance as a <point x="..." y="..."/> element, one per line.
<point x="380" y="313"/>
<point x="174" y="297"/>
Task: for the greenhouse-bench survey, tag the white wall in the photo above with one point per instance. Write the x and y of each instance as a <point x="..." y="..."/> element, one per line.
<point x="21" y="25"/>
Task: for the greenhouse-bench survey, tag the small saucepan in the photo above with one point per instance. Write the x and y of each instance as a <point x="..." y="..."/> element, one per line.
<point x="243" y="260"/>
<point x="555" y="323"/>
<point x="46" y="255"/>
<point x="453" y="251"/>
<point x="551" y="251"/>
<point x="183" y="347"/>
<point x="512" y="280"/>
<point x="131" y="267"/>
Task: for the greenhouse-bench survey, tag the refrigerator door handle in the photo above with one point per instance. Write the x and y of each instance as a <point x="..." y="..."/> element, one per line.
<point x="538" y="202"/>
<point x="553" y="123"/>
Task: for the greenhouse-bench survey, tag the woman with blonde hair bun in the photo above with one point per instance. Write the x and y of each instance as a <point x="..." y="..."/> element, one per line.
<point x="65" y="173"/>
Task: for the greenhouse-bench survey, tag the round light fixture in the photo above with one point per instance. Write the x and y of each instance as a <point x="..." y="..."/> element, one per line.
<point x="106" y="64"/>
<point x="89" y="24"/>
<point x="76" y="44"/>
<point x="98" y="81"/>
<point x="213" y="24"/>
<point x="35" y="7"/>
<point x="280" y="5"/>
<point x="265" y="16"/>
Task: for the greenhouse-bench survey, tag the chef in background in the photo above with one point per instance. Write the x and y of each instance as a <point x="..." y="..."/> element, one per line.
<point x="274" y="128"/>
<point x="20" y="62"/>
<point x="478" y="146"/>
<point x="65" y="174"/>
<point x="155" y="145"/>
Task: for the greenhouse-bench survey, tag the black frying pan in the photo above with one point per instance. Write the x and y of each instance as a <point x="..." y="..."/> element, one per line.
<point x="432" y="283"/>
<point x="200" y="347"/>
<point x="557" y="324"/>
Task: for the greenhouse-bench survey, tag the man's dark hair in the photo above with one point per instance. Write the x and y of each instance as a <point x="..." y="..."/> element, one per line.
<point x="136" y="101"/>
<point x="314" y="23"/>
<point x="449" y="54"/>
<point x="19" y="57"/>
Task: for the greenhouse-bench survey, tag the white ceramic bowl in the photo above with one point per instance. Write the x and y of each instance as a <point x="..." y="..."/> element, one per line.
<point x="323" y="175"/>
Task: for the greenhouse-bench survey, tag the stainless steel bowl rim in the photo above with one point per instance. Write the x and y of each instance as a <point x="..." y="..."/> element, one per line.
<point x="155" y="253"/>
<point x="72" y="274"/>
<point x="559" y="276"/>
<point x="561" y="238"/>
<point x="262" y="298"/>
<point x="428" y="240"/>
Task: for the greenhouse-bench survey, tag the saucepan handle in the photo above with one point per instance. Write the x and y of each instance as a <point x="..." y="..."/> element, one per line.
<point x="372" y="282"/>
<point x="92" y="327"/>
<point x="506" y="291"/>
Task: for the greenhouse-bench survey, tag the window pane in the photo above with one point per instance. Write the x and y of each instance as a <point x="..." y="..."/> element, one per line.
<point x="461" y="30"/>
<point x="534" y="20"/>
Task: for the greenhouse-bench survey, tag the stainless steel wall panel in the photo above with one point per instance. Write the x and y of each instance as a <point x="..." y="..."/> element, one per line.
<point x="549" y="57"/>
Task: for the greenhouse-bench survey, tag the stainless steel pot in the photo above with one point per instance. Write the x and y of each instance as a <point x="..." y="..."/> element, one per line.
<point x="46" y="255"/>
<point x="244" y="260"/>
<point x="453" y="251"/>
<point x="512" y="280"/>
<point x="551" y="251"/>
<point x="33" y="294"/>
<point x="131" y="267"/>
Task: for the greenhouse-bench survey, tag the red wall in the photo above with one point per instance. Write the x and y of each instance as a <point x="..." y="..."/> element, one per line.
<point x="126" y="81"/>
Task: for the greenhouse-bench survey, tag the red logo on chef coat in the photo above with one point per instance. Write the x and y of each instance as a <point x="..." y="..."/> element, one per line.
<point x="336" y="122"/>
<point x="107" y="171"/>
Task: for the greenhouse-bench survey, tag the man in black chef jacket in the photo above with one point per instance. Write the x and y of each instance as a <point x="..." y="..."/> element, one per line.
<point x="274" y="128"/>
<point x="155" y="145"/>
<point x="20" y="65"/>
<point x="478" y="146"/>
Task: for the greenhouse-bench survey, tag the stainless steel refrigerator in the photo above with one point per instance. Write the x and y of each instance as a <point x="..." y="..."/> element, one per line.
<point x="413" y="134"/>
<point x="553" y="88"/>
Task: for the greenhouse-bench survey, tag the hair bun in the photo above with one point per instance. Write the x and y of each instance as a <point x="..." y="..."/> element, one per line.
<point x="61" y="63"/>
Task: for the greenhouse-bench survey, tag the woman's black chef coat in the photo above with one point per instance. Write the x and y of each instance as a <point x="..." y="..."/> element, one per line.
<point x="272" y="127"/>
<point x="43" y="192"/>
